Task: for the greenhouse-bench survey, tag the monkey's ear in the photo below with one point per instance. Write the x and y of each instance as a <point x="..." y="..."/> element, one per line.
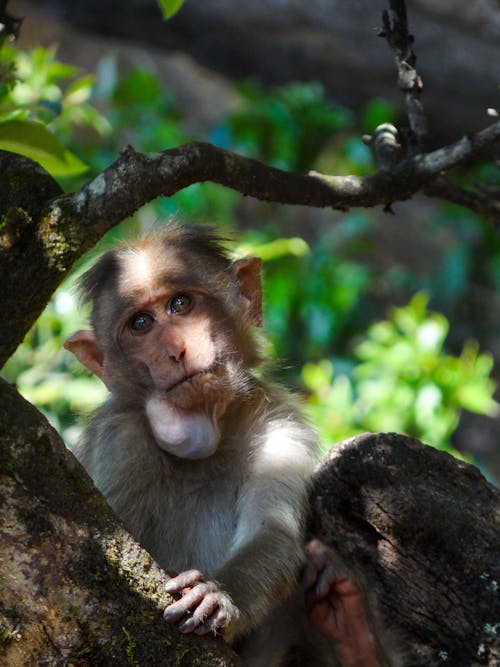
<point x="83" y="345"/>
<point x="247" y="274"/>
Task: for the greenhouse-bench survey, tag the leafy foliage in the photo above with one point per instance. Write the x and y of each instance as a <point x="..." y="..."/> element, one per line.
<point x="315" y="296"/>
<point x="321" y="292"/>
<point x="36" y="106"/>
<point x="48" y="376"/>
<point x="288" y="127"/>
<point x="404" y="381"/>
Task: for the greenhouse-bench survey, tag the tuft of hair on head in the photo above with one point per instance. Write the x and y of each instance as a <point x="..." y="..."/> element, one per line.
<point x="202" y="241"/>
<point x="196" y="240"/>
<point x="103" y="273"/>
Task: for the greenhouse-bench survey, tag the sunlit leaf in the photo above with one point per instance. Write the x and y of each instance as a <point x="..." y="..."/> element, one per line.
<point x="170" y="7"/>
<point x="296" y="247"/>
<point x="35" y="141"/>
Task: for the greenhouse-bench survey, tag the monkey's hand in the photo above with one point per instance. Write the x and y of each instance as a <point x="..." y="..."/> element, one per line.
<point x="336" y="607"/>
<point x="202" y="608"/>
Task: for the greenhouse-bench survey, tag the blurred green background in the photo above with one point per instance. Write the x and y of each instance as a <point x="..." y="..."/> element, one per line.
<point x="371" y="343"/>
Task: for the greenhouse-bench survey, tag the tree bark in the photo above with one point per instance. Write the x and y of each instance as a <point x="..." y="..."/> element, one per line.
<point x="420" y="528"/>
<point x="75" y="588"/>
<point x="424" y="529"/>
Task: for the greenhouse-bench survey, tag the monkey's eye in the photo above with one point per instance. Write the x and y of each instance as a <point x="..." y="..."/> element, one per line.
<point x="181" y="303"/>
<point x="141" y="322"/>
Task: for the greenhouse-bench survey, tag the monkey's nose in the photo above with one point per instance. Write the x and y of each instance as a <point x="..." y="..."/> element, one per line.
<point x="177" y="355"/>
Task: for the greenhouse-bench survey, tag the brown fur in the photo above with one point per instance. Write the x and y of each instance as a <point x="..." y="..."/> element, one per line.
<point x="235" y="513"/>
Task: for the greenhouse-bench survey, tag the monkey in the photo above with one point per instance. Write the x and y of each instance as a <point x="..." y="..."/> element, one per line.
<point x="206" y="464"/>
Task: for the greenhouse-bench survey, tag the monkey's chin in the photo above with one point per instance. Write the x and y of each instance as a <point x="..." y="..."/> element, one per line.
<point x="187" y="435"/>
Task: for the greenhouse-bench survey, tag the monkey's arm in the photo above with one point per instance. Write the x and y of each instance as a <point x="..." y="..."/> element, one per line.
<point x="258" y="576"/>
<point x="267" y="549"/>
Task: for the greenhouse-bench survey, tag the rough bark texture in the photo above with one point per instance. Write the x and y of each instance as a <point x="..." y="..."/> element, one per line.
<point x="25" y="189"/>
<point x="75" y="589"/>
<point x="425" y="528"/>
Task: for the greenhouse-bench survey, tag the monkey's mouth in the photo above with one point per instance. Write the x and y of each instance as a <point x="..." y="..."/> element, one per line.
<point x="188" y="379"/>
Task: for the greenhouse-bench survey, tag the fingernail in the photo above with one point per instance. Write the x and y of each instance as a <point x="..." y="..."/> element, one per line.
<point x="169" y="615"/>
<point x="321" y="589"/>
<point x="170" y="586"/>
<point x="187" y="625"/>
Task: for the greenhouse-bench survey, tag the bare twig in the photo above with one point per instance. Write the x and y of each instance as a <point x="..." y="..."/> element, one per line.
<point x="386" y="146"/>
<point x="395" y="30"/>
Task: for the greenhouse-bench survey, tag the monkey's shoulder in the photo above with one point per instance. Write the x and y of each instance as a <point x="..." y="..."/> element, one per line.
<point x="276" y="407"/>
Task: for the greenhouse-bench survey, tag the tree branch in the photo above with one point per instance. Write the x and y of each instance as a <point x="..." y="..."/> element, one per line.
<point x="395" y="30"/>
<point x="75" y="588"/>
<point x="47" y="233"/>
<point x="422" y="527"/>
<point x="136" y="178"/>
<point x="9" y="25"/>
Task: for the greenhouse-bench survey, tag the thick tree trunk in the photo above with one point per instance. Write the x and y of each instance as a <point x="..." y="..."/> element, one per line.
<point x="424" y="529"/>
<point x="75" y="589"/>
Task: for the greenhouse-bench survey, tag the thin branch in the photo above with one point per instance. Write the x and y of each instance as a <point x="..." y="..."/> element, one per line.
<point x="51" y="231"/>
<point x="396" y="31"/>
<point x="385" y="144"/>
<point x="471" y="146"/>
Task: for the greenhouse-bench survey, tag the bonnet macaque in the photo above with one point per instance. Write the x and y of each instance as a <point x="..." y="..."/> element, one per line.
<point x="206" y="464"/>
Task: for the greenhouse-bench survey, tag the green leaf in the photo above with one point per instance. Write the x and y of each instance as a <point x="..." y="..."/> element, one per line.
<point x="170" y="7"/>
<point x="296" y="247"/>
<point x="35" y="141"/>
<point x="139" y="87"/>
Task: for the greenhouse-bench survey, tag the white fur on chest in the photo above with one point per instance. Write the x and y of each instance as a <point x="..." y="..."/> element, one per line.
<point x="173" y="507"/>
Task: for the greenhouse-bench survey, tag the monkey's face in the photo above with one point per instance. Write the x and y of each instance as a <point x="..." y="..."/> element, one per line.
<point x="172" y="336"/>
<point x="179" y="345"/>
<point x="177" y="342"/>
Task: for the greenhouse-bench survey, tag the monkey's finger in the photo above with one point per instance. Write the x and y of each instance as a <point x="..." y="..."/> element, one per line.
<point x="314" y="547"/>
<point x="310" y="574"/>
<point x="326" y="579"/>
<point x="175" y="611"/>
<point x="204" y="610"/>
<point x="215" y="623"/>
<point x="319" y="556"/>
<point x="185" y="579"/>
